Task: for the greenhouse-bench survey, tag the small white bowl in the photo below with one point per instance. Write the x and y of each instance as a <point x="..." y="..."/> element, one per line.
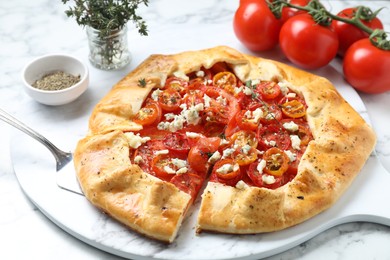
<point x="46" y="64"/>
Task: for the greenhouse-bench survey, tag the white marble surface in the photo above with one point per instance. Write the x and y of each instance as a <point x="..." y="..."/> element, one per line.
<point x="32" y="28"/>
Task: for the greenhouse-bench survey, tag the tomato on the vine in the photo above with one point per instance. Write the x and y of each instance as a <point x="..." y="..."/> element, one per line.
<point x="348" y="33"/>
<point x="306" y="43"/>
<point x="366" y="67"/>
<point x="256" y="26"/>
<point x="289" y="12"/>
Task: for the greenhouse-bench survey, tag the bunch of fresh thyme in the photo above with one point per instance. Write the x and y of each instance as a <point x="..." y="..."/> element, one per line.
<point x="107" y="15"/>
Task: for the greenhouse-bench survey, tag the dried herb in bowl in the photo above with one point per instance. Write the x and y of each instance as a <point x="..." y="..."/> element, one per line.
<point x="56" y="81"/>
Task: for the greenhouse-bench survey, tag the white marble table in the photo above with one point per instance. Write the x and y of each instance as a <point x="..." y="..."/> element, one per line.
<point x="32" y="28"/>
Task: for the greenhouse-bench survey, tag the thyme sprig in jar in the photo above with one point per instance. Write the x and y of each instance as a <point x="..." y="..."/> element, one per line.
<point x="106" y="24"/>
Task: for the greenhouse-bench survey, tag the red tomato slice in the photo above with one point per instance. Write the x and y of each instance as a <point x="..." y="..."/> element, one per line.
<point x="178" y="84"/>
<point x="226" y="81"/>
<point x="150" y="114"/>
<point x="223" y="106"/>
<point x="257" y="178"/>
<point x="246" y="121"/>
<point x="177" y="143"/>
<point x="268" y="90"/>
<point x="273" y="136"/>
<point x="189" y="183"/>
<point x="169" y="100"/>
<point x="163" y="166"/>
<point x="276" y="161"/>
<point x="226" y="169"/>
<point x="145" y="151"/>
<point x="200" y="153"/>
<point x="242" y="138"/>
<point x="271" y="114"/>
<point x="294" y="109"/>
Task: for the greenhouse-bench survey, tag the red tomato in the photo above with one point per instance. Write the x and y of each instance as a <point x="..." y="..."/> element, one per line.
<point x="255" y="25"/>
<point x="273" y="136"/>
<point x="226" y="171"/>
<point x="189" y="183"/>
<point x="306" y="43"/>
<point x="177" y="143"/>
<point x="348" y="33"/>
<point x="223" y="106"/>
<point x="257" y="178"/>
<point x="276" y="161"/>
<point x="200" y="153"/>
<point x="289" y="12"/>
<point x="147" y="154"/>
<point x="245" y="120"/>
<point x="268" y="90"/>
<point x="366" y="67"/>
<point x="149" y="114"/>
<point x="169" y="99"/>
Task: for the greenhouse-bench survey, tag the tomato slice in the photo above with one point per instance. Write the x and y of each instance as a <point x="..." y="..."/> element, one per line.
<point x="226" y="81"/>
<point x="246" y="120"/>
<point x="169" y="100"/>
<point x="189" y="183"/>
<point x="257" y="178"/>
<point x="268" y="90"/>
<point x="276" y="161"/>
<point x="145" y="152"/>
<point x="165" y="166"/>
<point x="177" y="143"/>
<point x="222" y="106"/>
<point x="271" y="114"/>
<point x="226" y="169"/>
<point x="245" y="155"/>
<point x="242" y="138"/>
<point x="150" y="114"/>
<point x="294" y="108"/>
<point x="199" y="154"/>
<point x="178" y="84"/>
<point x="273" y="136"/>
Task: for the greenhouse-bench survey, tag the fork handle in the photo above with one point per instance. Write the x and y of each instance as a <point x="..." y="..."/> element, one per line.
<point x="58" y="154"/>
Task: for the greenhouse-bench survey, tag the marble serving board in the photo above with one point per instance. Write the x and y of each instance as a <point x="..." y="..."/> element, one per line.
<point x="34" y="167"/>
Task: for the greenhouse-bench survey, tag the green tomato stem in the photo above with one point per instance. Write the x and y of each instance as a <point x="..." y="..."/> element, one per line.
<point x="323" y="17"/>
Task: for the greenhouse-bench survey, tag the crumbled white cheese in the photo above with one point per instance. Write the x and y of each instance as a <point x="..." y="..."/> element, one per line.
<point x="200" y="73"/>
<point x="169" y="116"/>
<point x="179" y="163"/>
<point x="241" y="185"/>
<point x="291" y="95"/>
<point x="160" y="152"/>
<point x="207" y="100"/>
<point x="226" y="168"/>
<point x="169" y="170"/>
<point x="227" y="152"/>
<point x="138" y="159"/>
<point x="155" y="94"/>
<point x="192" y="135"/>
<point x="247" y="91"/>
<point x="284" y="87"/>
<point x="221" y="100"/>
<point x="237" y="90"/>
<point x="182" y="75"/>
<point x="246" y="148"/>
<point x="135" y="141"/>
<point x="215" y="157"/>
<point x="182" y="170"/>
<point x="292" y="156"/>
<point x="291" y="126"/>
<point x="261" y="166"/>
<point x="268" y="179"/>
<point x="295" y="142"/>
<point x="257" y="114"/>
<point x="270" y="143"/>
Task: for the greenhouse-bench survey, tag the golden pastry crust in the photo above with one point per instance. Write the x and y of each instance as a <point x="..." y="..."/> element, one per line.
<point x="139" y="200"/>
<point x="342" y="143"/>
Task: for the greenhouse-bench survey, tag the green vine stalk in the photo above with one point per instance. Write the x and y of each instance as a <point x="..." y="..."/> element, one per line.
<point x="323" y="17"/>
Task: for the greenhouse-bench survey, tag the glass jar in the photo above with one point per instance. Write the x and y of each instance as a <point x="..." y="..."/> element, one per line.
<point x="108" y="52"/>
